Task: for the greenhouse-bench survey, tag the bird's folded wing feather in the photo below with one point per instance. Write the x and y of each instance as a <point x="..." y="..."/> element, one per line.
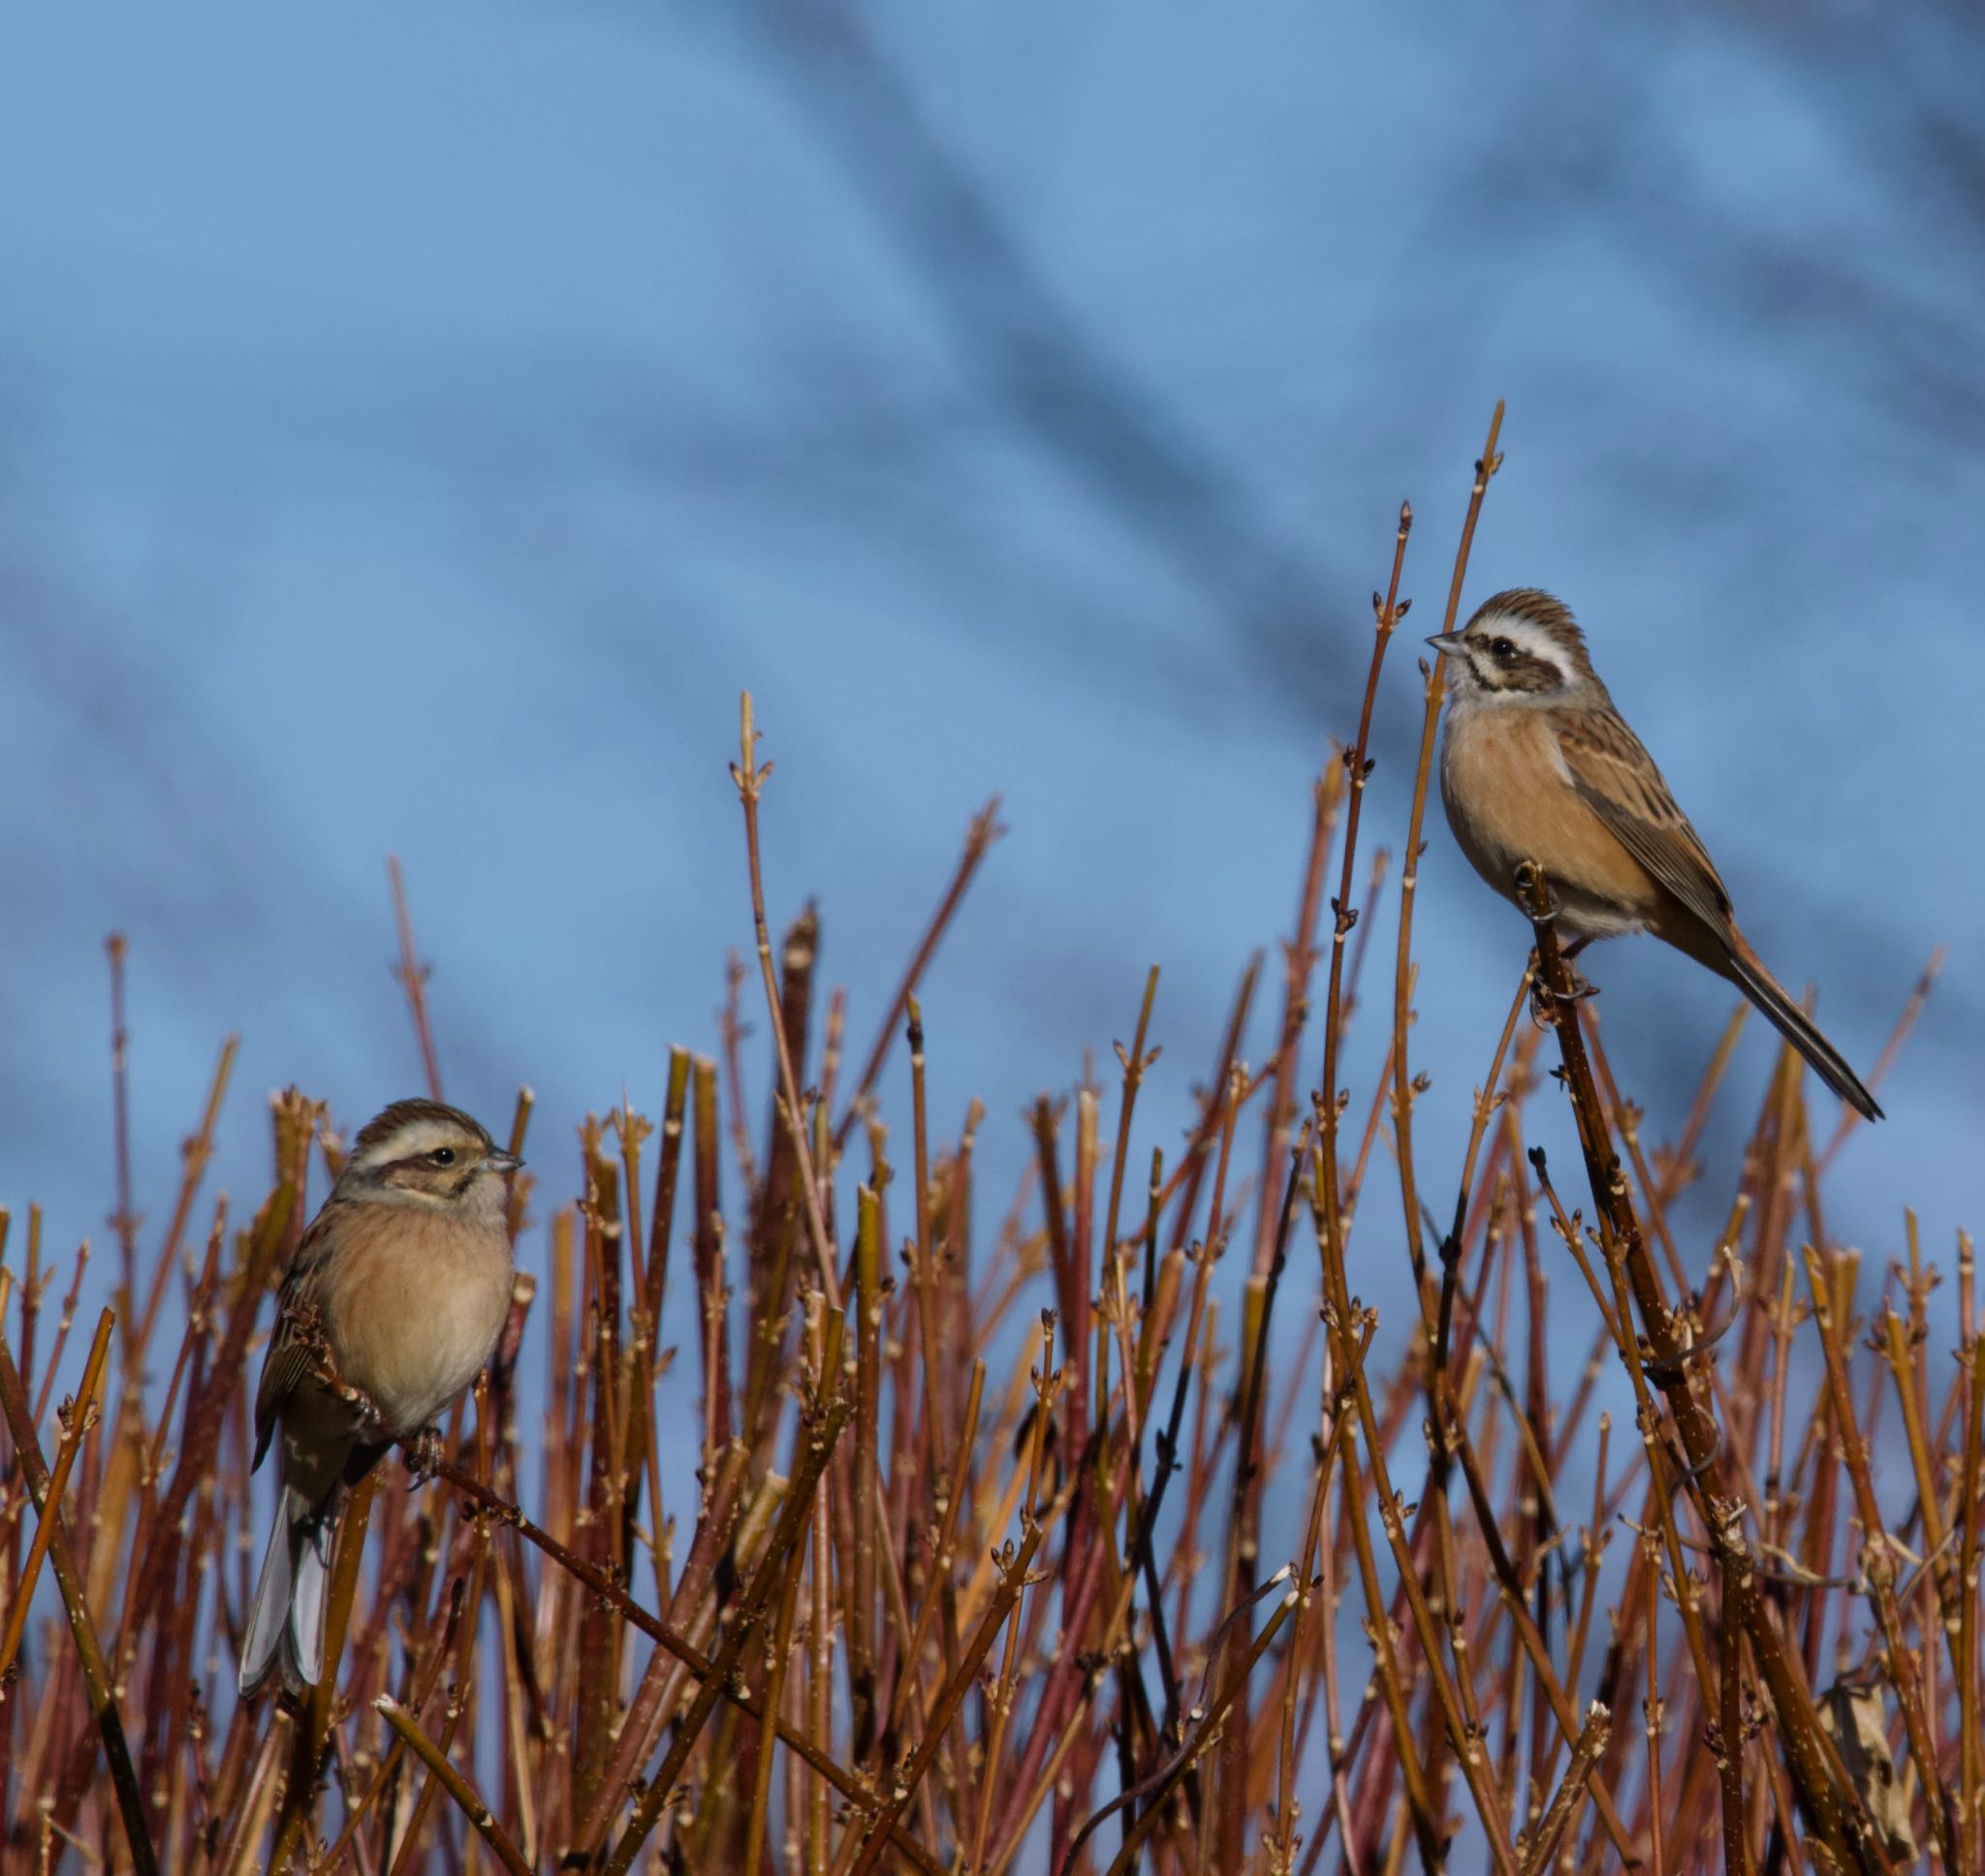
<point x="290" y="1355"/>
<point x="1616" y="778"/>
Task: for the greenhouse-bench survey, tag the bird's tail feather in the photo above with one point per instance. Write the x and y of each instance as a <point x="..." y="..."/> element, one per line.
<point x="303" y="1635"/>
<point x="286" y="1619"/>
<point x="1799" y="1029"/>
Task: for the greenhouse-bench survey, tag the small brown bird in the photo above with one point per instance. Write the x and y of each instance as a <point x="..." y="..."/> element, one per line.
<point x="1538" y="766"/>
<point x="404" y="1278"/>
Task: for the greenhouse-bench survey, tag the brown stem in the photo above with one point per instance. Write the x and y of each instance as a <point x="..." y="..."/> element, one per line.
<point x="80" y="1416"/>
<point x="1013" y="1578"/>
<point x="1564" y="1806"/>
<point x="413" y="977"/>
<point x="1878" y="1564"/>
<point x="1831" y="1810"/>
<point x="454" y="1784"/>
<point x="103" y="1701"/>
<point x="749" y="774"/>
<point x="817" y="1434"/>
<point x="980" y="835"/>
<point x="1485" y="466"/>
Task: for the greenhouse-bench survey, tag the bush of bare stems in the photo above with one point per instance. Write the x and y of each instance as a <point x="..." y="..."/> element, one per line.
<point x="973" y="1577"/>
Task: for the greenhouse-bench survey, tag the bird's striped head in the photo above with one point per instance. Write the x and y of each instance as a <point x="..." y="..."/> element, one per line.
<point x="423" y="1153"/>
<point x="1521" y="645"/>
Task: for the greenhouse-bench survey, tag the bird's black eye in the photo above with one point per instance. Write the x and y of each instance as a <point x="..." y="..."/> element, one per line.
<point x="441" y="1156"/>
<point x="1502" y="649"/>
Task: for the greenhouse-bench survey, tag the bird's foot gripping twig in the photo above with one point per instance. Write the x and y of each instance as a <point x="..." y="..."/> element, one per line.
<point x="424" y="1455"/>
<point x="1534" y="895"/>
<point x="1578" y="986"/>
<point x="1545" y="999"/>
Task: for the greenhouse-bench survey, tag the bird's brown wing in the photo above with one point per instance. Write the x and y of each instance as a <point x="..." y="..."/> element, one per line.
<point x="1616" y="778"/>
<point x="292" y="1354"/>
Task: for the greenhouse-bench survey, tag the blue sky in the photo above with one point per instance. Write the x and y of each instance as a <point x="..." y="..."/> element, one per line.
<point x="417" y="426"/>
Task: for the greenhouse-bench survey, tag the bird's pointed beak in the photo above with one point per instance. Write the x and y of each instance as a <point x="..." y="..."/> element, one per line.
<point x="500" y="1162"/>
<point x="1445" y="643"/>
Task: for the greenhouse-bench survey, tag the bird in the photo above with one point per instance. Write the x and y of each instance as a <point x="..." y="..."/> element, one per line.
<point x="403" y="1280"/>
<point x="1536" y="764"/>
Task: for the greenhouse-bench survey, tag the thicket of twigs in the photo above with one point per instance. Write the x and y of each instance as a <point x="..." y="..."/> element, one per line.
<point x="973" y="1580"/>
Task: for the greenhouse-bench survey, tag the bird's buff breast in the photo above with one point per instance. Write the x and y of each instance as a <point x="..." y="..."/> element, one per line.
<point x="1510" y="798"/>
<point x="415" y="1305"/>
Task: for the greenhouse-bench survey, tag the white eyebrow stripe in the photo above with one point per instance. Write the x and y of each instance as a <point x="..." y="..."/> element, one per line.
<point x="406" y="1141"/>
<point x="1531" y="639"/>
<point x="1527" y="634"/>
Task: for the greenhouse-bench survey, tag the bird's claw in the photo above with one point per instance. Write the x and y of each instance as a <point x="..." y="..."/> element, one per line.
<point x="1545" y="999"/>
<point x="1695" y="1473"/>
<point x="1666" y="1368"/>
<point x="424" y="1455"/>
<point x="1542" y="1012"/>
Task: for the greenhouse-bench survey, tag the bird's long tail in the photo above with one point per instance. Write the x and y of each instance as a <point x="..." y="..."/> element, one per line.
<point x="286" y="1619"/>
<point x="1798" y="1028"/>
